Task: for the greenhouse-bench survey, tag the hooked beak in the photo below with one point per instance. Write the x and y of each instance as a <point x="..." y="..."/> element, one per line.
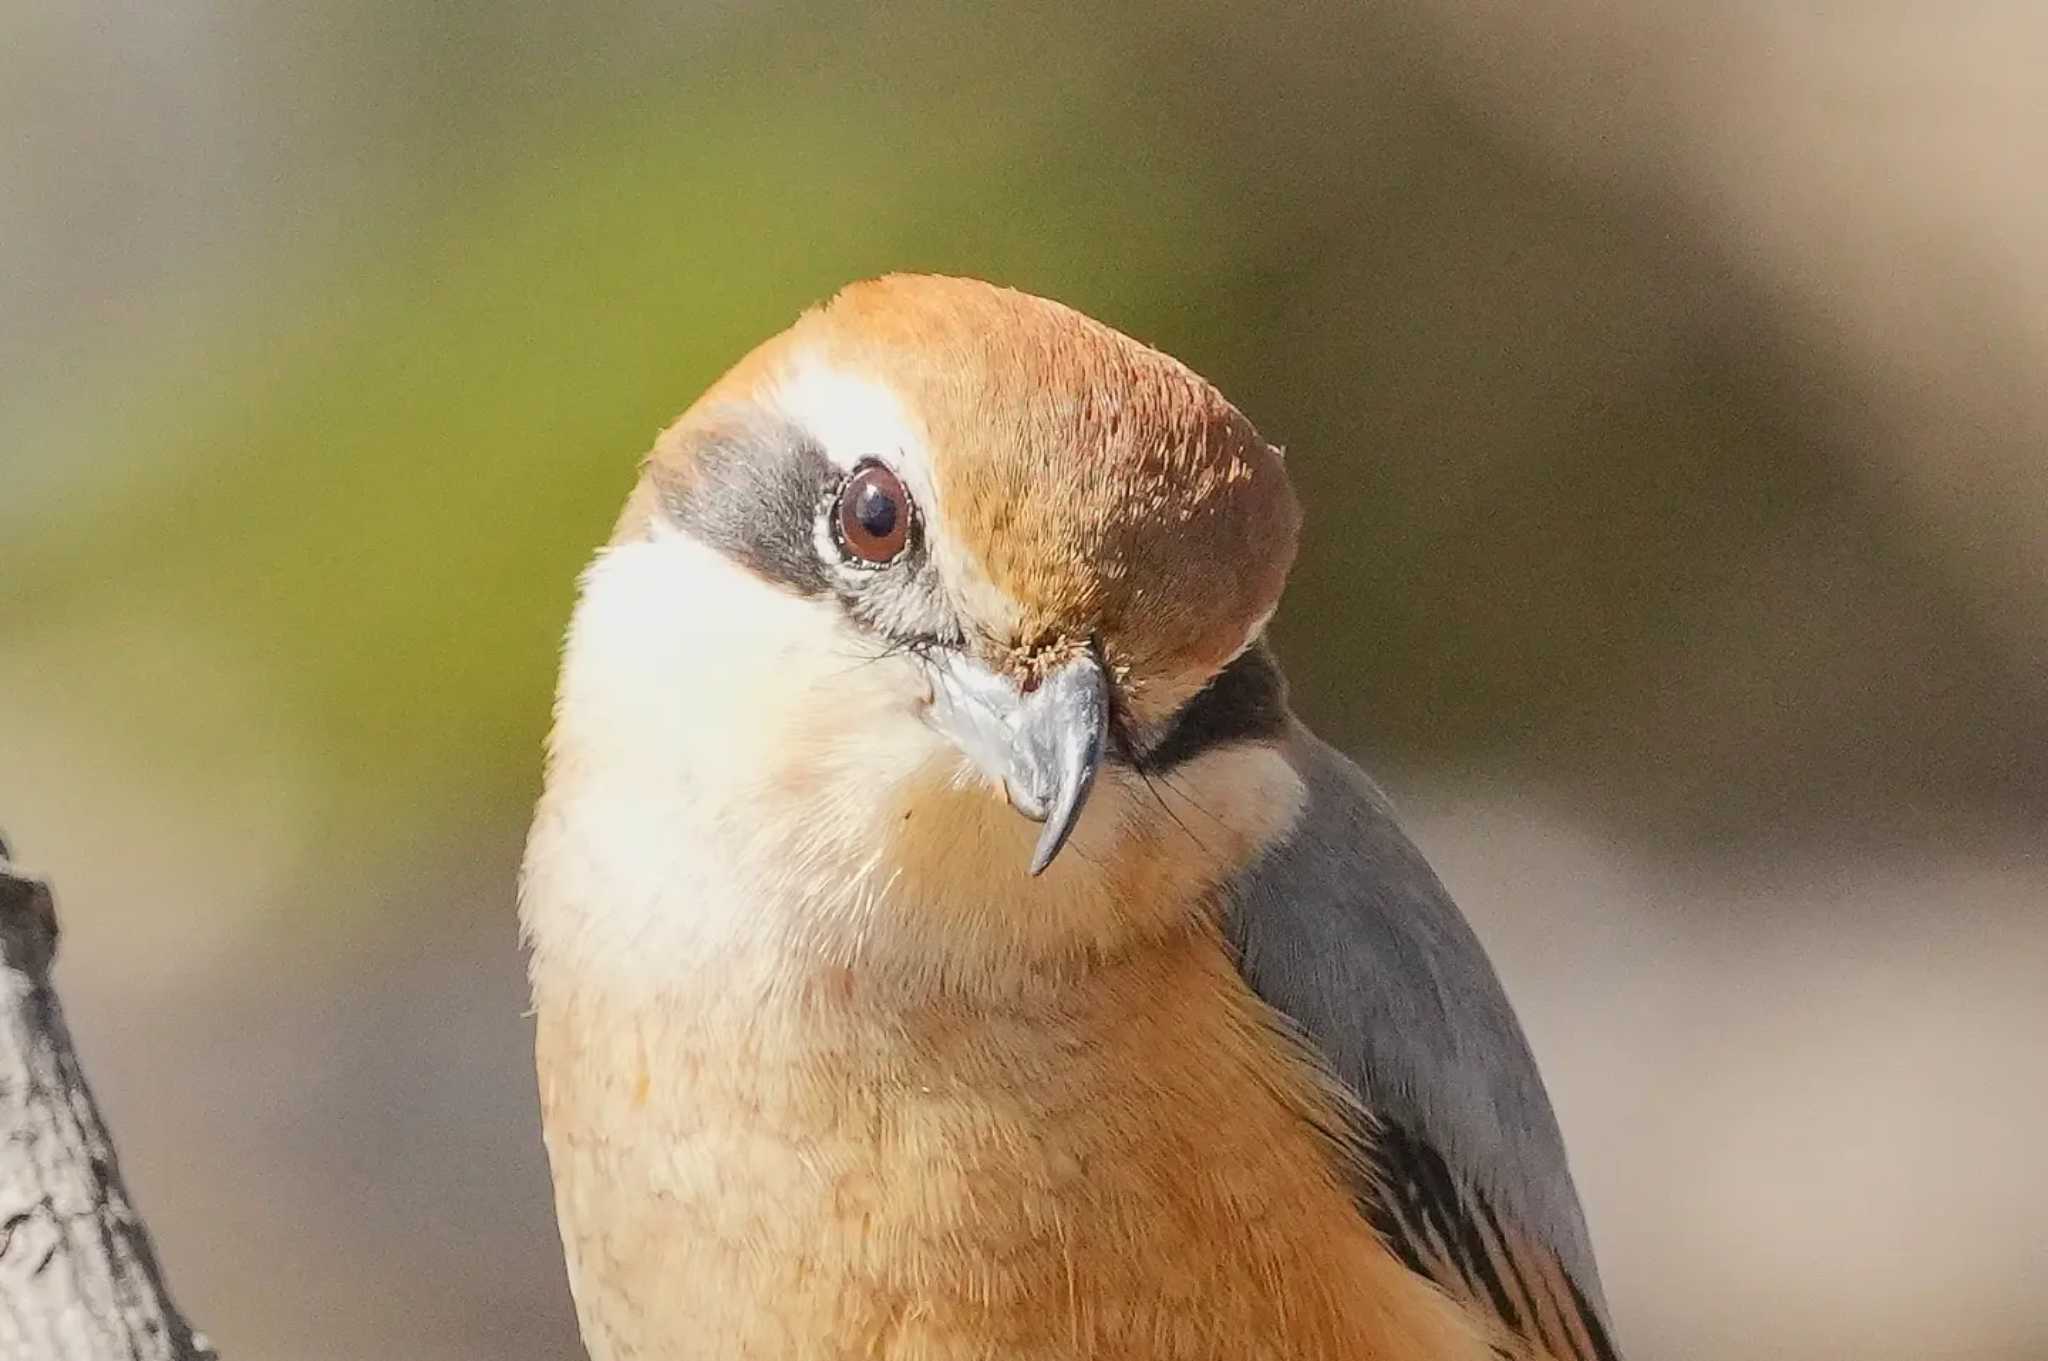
<point x="1044" y="746"/>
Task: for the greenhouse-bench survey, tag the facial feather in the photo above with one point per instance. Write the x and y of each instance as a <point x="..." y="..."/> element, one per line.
<point x="1082" y="484"/>
<point x="832" y="807"/>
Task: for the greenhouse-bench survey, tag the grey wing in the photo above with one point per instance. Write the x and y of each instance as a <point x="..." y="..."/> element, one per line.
<point x="1345" y="929"/>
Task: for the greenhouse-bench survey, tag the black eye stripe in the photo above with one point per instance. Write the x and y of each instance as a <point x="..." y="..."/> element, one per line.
<point x="757" y="488"/>
<point x="752" y="491"/>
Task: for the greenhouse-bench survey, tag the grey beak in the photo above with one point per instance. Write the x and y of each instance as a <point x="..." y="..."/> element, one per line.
<point x="1044" y="745"/>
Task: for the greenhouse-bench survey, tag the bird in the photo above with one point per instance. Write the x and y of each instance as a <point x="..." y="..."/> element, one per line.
<point x="946" y="943"/>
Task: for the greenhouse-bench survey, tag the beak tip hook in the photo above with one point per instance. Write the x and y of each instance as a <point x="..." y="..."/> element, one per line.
<point x="1048" y="850"/>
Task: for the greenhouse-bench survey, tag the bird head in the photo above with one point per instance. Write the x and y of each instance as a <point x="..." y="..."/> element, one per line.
<point x="944" y="588"/>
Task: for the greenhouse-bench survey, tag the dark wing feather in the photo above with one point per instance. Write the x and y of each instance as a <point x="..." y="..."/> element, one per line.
<point x="1443" y="1228"/>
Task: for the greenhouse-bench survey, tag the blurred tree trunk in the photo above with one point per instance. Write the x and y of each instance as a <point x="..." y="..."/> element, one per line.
<point x="78" y="1278"/>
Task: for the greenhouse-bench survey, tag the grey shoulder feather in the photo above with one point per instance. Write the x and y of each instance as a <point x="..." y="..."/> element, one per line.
<point x="1343" y="927"/>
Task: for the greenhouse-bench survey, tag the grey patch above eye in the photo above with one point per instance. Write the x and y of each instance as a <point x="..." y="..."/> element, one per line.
<point x="752" y="492"/>
<point x="1245" y="702"/>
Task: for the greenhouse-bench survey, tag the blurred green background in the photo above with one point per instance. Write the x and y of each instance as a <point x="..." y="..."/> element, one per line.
<point x="1665" y="393"/>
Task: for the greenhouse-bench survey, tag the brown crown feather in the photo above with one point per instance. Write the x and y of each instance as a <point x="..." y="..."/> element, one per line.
<point x="1104" y="486"/>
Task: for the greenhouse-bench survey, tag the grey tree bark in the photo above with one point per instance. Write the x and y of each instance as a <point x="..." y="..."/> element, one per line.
<point x="79" y="1280"/>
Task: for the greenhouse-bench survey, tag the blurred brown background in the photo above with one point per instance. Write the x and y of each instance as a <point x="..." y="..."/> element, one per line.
<point x="1664" y="382"/>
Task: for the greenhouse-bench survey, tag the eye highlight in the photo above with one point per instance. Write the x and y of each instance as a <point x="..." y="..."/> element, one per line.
<point x="872" y="516"/>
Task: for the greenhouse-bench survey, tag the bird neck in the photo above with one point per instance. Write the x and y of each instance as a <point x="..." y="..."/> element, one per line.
<point x="921" y="893"/>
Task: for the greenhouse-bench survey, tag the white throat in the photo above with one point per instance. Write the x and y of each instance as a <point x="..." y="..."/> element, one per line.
<point x="705" y="724"/>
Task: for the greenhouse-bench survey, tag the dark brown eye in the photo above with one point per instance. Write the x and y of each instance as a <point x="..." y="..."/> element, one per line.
<point x="873" y="514"/>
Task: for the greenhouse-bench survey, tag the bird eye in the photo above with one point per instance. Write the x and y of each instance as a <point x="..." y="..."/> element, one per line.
<point x="873" y="515"/>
